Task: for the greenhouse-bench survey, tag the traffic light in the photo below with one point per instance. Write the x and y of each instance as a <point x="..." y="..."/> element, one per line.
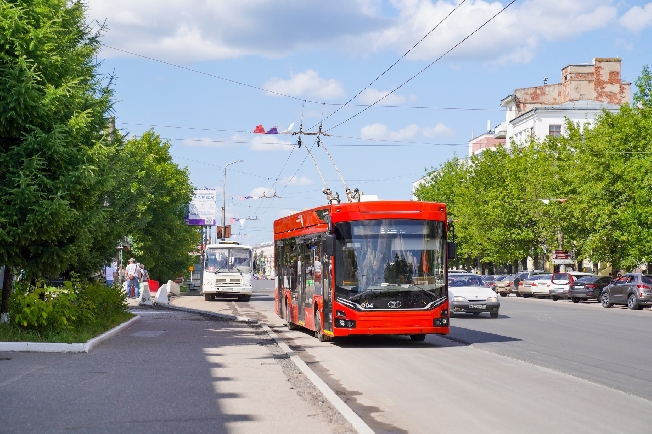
<point x="228" y="232"/>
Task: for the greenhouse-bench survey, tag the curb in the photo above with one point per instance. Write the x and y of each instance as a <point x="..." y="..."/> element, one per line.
<point x="352" y="417"/>
<point x="59" y="347"/>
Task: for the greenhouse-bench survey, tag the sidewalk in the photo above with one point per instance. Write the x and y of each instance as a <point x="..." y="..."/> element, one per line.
<point x="172" y="371"/>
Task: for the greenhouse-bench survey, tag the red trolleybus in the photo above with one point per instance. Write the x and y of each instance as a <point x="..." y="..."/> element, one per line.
<point x="364" y="268"/>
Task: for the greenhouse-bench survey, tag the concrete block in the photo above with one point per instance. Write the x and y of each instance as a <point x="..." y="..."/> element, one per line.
<point x="162" y="296"/>
<point x="145" y="298"/>
<point x="173" y="288"/>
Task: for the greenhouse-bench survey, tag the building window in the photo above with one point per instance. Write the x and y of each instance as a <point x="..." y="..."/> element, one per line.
<point x="554" y="130"/>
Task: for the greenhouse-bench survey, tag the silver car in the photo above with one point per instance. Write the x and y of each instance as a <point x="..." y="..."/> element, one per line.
<point x="535" y="286"/>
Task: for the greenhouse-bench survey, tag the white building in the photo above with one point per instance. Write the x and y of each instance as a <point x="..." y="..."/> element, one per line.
<point x="543" y="121"/>
<point x="265" y="253"/>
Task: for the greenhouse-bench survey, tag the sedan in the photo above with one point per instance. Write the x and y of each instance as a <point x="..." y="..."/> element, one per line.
<point x="633" y="290"/>
<point x="535" y="286"/>
<point x="560" y="284"/>
<point x="471" y="295"/>
<point x="588" y="287"/>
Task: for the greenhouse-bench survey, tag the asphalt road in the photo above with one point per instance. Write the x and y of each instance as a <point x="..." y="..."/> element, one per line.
<point x="541" y="366"/>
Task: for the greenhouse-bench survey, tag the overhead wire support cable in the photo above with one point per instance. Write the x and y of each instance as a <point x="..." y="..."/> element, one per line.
<point x="397" y="61"/>
<point x="211" y="75"/>
<point x="426" y="67"/>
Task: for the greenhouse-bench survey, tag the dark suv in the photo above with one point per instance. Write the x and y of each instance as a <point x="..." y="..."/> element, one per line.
<point x="588" y="287"/>
<point x="632" y="289"/>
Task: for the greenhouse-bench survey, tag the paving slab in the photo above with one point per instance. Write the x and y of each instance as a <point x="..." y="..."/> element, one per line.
<point x="171" y="371"/>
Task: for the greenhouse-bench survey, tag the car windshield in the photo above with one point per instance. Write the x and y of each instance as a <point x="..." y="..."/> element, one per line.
<point x="390" y="256"/>
<point x="228" y="259"/>
<point x="458" y="281"/>
<point x="561" y="277"/>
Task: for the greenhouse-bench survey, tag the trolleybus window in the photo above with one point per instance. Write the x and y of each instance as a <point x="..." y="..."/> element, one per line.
<point x="376" y="257"/>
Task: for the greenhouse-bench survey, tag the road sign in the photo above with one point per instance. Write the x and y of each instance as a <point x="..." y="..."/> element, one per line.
<point x="191" y="268"/>
<point x="562" y="257"/>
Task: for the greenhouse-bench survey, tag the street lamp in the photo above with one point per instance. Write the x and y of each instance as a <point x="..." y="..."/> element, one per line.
<point x="224" y="198"/>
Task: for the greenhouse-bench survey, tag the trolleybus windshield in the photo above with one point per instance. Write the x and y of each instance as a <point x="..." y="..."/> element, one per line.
<point x="228" y="259"/>
<point x="382" y="259"/>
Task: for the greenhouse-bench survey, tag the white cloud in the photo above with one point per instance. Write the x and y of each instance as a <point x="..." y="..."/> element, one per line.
<point x="438" y="130"/>
<point x="207" y="142"/>
<point x="370" y="96"/>
<point x="513" y="35"/>
<point x="269" y="142"/>
<point x="382" y="132"/>
<point x="307" y="83"/>
<point x="201" y="30"/>
<point x="297" y="180"/>
<point x="260" y="191"/>
<point x="637" y="18"/>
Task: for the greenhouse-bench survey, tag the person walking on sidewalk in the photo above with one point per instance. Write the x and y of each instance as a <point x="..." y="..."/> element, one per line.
<point x="109" y="274"/>
<point x="131" y="275"/>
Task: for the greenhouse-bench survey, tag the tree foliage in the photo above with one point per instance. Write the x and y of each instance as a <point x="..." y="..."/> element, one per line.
<point x="591" y="185"/>
<point x="69" y="191"/>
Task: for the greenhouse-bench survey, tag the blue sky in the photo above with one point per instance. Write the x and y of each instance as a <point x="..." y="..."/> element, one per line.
<point x="325" y="52"/>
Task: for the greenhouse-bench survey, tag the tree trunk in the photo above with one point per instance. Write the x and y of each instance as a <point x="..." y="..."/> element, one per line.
<point x="6" y="291"/>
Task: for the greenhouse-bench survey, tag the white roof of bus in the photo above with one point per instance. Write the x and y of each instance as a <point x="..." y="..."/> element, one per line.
<point x="225" y="245"/>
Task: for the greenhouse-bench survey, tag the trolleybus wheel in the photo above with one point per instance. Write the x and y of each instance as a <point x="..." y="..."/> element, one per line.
<point x="291" y="325"/>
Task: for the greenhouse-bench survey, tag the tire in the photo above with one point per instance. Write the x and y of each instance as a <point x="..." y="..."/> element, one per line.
<point x="493" y="314"/>
<point x="244" y="298"/>
<point x="575" y="299"/>
<point x="503" y="294"/>
<point x="518" y="294"/>
<point x="554" y="298"/>
<point x="604" y="299"/>
<point x="318" y="332"/>
<point x="526" y="295"/>
<point x="632" y="302"/>
<point x="208" y="297"/>
<point x="291" y="325"/>
<point x="418" y="338"/>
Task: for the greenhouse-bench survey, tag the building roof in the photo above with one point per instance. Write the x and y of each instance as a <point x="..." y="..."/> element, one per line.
<point x="572" y="105"/>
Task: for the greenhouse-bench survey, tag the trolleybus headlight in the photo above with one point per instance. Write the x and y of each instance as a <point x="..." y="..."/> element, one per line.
<point x="345" y="323"/>
<point x="444" y="313"/>
<point x="340" y="313"/>
<point x="440" y="322"/>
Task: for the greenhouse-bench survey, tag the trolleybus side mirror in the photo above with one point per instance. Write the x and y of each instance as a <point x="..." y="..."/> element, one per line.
<point x="329" y="245"/>
<point x="452" y="249"/>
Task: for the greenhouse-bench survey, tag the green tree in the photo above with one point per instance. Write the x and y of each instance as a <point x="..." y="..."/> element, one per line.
<point x="53" y="152"/>
<point x="158" y="193"/>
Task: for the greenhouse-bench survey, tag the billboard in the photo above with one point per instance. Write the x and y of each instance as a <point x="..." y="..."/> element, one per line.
<point x="202" y="210"/>
<point x="563" y="257"/>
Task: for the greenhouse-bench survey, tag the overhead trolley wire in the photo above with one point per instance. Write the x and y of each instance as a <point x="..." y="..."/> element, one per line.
<point x="397" y="61"/>
<point x="426" y="67"/>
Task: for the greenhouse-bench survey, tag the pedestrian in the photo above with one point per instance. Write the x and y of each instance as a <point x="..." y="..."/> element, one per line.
<point x="143" y="273"/>
<point x="131" y="275"/>
<point x="109" y="274"/>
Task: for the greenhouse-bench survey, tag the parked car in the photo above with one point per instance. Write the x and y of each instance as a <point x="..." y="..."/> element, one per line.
<point x="519" y="277"/>
<point x="505" y="286"/>
<point x="633" y="290"/>
<point x="588" y="287"/>
<point x="535" y="286"/>
<point x="560" y="284"/>
<point x="492" y="279"/>
<point x="470" y="294"/>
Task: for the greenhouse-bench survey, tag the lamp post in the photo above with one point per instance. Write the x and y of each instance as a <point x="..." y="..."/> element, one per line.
<point x="224" y="198"/>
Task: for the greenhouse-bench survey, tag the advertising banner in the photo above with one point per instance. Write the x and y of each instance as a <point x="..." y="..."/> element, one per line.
<point x="564" y="257"/>
<point x="202" y="210"/>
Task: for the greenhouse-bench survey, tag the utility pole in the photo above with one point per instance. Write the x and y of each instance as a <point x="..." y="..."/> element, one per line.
<point x="224" y="198"/>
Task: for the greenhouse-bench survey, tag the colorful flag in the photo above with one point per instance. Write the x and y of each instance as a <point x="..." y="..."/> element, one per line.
<point x="289" y="130"/>
<point x="272" y="130"/>
<point x="259" y="129"/>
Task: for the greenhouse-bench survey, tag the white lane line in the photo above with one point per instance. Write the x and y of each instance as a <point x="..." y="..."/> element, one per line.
<point x="346" y="411"/>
